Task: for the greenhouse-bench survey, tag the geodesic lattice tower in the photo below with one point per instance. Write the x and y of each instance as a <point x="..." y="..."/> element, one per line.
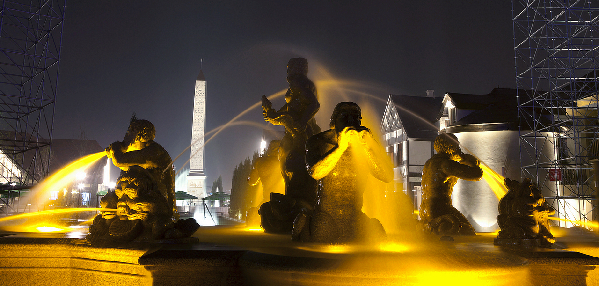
<point x="556" y="60"/>
<point x="30" y="44"/>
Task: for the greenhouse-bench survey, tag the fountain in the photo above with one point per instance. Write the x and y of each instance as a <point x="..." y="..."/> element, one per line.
<point x="340" y="159"/>
<point x="136" y="240"/>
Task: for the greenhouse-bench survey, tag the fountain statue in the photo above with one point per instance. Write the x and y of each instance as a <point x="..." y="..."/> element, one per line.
<point x="297" y="116"/>
<point x="523" y="216"/>
<point x="441" y="172"/>
<point x="144" y="197"/>
<point x="341" y="159"/>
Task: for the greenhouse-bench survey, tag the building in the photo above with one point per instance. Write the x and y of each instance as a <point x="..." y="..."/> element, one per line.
<point x="410" y="125"/>
<point x="196" y="180"/>
<point x="486" y="125"/>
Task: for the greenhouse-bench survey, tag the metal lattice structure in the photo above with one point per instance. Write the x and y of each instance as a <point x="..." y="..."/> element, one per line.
<point x="556" y="57"/>
<point x="30" y="44"/>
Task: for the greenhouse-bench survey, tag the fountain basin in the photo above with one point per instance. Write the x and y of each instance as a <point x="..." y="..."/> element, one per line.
<point x="237" y="256"/>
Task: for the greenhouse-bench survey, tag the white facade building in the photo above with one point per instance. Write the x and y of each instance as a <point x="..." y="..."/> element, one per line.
<point x="196" y="180"/>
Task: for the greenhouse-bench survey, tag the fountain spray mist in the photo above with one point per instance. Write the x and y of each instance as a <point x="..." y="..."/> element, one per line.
<point x="40" y="194"/>
<point x="220" y="128"/>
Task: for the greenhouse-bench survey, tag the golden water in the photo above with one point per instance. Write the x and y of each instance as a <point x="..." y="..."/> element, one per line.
<point x="495" y="181"/>
<point x="583" y="223"/>
<point x="45" y="221"/>
<point x="59" y="180"/>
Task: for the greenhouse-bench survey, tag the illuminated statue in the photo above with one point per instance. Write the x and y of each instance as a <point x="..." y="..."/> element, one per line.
<point x="144" y="196"/>
<point x="142" y="212"/>
<point x="341" y="159"/>
<point x="297" y="116"/>
<point x="267" y="173"/>
<point x="139" y="149"/>
<point x="523" y="216"/>
<point x="440" y="174"/>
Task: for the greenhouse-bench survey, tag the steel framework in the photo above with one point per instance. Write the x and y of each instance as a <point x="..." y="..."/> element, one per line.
<point x="556" y="60"/>
<point x="30" y="44"/>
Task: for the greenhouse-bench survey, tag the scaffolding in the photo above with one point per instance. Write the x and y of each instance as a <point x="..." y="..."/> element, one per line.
<point x="556" y="61"/>
<point x="30" y="44"/>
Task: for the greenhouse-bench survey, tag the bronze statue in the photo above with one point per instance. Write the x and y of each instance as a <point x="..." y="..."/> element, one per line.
<point x="523" y="216"/>
<point x="139" y="149"/>
<point x="441" y="172"/>
<point x="144" y="197"/>
<point x="297" y="116"/>
<point x="341" y="159"/>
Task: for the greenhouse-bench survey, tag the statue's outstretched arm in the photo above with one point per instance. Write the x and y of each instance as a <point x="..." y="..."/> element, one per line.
<point x="145" y="158"/>
<point x="462" y="171"/>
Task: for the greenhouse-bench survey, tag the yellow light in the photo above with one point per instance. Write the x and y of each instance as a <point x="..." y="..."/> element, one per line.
<point x="253" y="229"/>
<point x="50" y="212"/>
<point x="494" y="180"/>
<point x="64" y="176"/>
<point x="586" y="223"/>
<point x="48" y="229"/>
<point x="394" y="247"/>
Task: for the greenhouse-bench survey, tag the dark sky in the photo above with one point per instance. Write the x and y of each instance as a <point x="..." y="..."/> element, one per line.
<point x="121" y="57"/>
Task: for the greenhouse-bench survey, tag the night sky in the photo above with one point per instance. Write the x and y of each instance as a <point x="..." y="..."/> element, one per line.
<point x="120" y="57"/>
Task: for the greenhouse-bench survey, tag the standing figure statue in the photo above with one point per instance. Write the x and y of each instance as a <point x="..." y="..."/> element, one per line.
<point x="341" y="159"/>
<point x="144" y="197"/>
<point x="523" y="216"/>
<point x="441" y="172"/>
<point x="297" y="116"/>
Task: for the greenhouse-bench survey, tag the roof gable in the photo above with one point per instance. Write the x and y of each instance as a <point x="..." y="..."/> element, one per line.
<point x="417" y="115"/>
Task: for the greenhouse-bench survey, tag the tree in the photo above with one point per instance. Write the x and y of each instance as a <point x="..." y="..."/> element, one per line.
<point x="217" y="185"/>
<point x="242" y="194"/>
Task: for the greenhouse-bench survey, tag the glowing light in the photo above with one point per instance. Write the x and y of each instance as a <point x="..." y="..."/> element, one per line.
<point x="494" y="180"/>
<point x="587" y="223"/>
<point x="253" y="229"/>
<point x="51" y="212"/>
<point x="262" y="146"/>
<point x="64" y="176"/>
<point x="106" y="176"/>
<point x="394" y="247"/>
<point x="203" y="219"/>
<point x="80" y="175"/>
<point x="337" y="248"/>
<point x="48" y="229"/>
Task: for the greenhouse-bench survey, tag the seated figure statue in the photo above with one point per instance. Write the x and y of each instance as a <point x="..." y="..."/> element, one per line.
<point x="441" y="172"/>
<point x="297" y="116"/>
<point x="138" y="148"/>
<point x="142" y="212"/>
<point x="523" y="216"/>
<point x="144" y="198"/>
<point x="341" y="159"/>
